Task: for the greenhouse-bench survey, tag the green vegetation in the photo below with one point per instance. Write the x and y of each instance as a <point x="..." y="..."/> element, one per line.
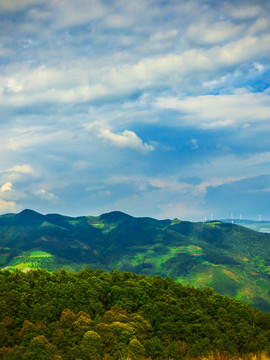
<point x="120" y="315"/>
<point x="38" y="253"/>
<point x="157" y="255"/>
<point x="232" y="259"/>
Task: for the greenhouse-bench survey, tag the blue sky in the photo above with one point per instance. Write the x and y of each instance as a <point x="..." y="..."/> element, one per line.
<point x="155" y="108"/>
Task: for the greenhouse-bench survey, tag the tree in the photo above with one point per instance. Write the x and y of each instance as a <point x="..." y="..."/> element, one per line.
<point x="67" y="318"/>
<point x="5" y="339"/>
<point x="177" y="350"/>
<point x="82" y="324"/>
<point x="122" y="332"/>
<point x="91" y="346"/>
<point x="30" y="330"/>
<point x="59" y="339"/>
<point x="15" y="353"/>
<point x="136" y="350"/>
<point x="154" y="348"/>
<point x="40" y="349"/>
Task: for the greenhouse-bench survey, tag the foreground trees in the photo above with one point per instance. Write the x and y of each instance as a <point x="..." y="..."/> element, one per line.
<point x="98" y="315"/>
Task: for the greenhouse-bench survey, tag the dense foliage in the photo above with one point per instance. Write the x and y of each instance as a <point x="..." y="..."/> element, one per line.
<point x="231" y="259"/>
<point x="120" y="315"/>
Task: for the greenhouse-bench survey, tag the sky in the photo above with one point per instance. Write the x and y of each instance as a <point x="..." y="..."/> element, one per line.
<point x="151" y="107"/>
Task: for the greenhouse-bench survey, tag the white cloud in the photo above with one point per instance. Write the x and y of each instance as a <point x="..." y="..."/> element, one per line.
<point x="46" y="195"/>
<point x="33" y="136"/>
<point x="81" y="80"/>
<point x="205" y="33"/>
<point x="13" y="86"/>
<point x="259" y="67"/>
<point x="7" y="5"/>
<point x="217" y="124"/>
<point x="15" y="174"/>
<point x="69" y="13"/>
<point x="117" y="21"/>
<point x="7" y="205"/>
<point x="124" y="14"/>
<point x="127" y="139"/>
<point x="215" y="182"/>
<point x="164" y="35"/>
<point x="211" y="84"/>
<point x="26" y="169"/>
<point x="6" y="187"/>
<point x="102" y="62"/>
<point x="170" y="185"/>
<point x="213" y="111"/>
<point x="259" y="25"/>
<point x="245" y="11"/>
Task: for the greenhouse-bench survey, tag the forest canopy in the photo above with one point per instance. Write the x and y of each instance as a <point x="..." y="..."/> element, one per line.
<point x="119" y="315"/>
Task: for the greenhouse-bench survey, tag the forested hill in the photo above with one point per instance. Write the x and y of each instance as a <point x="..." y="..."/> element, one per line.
<point x="98" y="315"/>
<point x="232" y="259"/>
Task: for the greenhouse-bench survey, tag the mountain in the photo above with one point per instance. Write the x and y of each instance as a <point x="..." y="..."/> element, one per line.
<point x="232" y="259"/>
<point x="261" y="226"/>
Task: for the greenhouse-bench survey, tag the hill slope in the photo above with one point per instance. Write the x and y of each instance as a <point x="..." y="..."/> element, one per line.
<point x="97" y="315"/>
<point x="232" y="259"/>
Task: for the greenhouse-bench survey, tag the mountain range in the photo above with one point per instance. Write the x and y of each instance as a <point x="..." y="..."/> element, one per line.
<point x="232" y="259"/>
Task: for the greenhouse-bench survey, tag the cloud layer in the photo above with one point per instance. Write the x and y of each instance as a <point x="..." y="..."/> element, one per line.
<point x="121" y="105"/>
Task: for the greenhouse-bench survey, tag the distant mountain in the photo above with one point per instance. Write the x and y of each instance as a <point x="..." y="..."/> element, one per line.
<point x="261" y="226"/>
<point x="232" y="259"/>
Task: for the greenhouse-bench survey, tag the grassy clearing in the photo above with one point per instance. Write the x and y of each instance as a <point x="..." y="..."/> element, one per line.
<point x="198" y="279"/>
<point x="154" y="254"/>
<point x="190" y="249"/>
<point x="22" y="267"/>
<point x="108" y="228"/>
<point x="212" y="224"/>
<point x="204" y="262"/>
<point x="30" y="260"/>
<point x="97" y="225"/>
<point x="47" y="224"/>
<point x="74" y="222"/>
<point x="38" y="253"/>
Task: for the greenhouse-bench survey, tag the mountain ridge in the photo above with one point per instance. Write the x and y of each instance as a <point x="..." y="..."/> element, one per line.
<point x="232" y="259"/>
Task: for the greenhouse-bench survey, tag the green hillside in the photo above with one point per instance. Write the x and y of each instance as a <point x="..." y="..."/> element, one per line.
<point x="112" y="316"/>
<point x="234" y="260"/>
